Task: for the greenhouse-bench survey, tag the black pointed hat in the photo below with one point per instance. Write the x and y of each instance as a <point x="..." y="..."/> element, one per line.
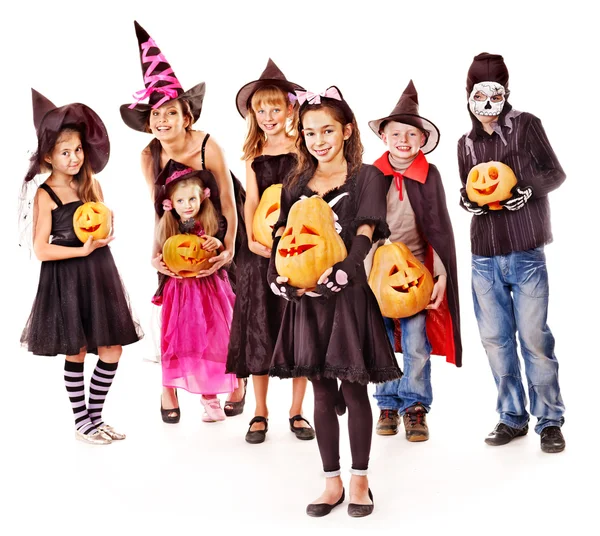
<point x="161" y="85"/>
<point x="271" y="76"/>
<point x="49" y="120"/>
<point x="407" y="111"/>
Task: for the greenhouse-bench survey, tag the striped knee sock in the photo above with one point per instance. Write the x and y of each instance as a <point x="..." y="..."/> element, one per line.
<point x="76" y="390"/>
<point x="99" y="386"/>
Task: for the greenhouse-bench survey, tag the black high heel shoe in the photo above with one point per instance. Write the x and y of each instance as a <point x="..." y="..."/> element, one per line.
<point x="236" y="408"/>
<point x="165" y="413"/>
<point x="361" y="510"/>
<point x="322" y="509"/>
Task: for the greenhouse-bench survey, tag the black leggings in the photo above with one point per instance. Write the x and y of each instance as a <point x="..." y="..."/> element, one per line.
<point x="327" y="428"/>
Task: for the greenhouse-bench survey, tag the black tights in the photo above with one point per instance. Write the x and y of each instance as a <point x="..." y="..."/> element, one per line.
<point x="327" y="428"/>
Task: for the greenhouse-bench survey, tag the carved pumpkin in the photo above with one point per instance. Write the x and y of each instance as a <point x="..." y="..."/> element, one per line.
<point x="400" y="282"/>
<point x="184" y="256"/>
<point x="92" y="219"/>
<point x="490" y="183"/>
<point x="266" y="215"/>
<point x="310" y="244"/>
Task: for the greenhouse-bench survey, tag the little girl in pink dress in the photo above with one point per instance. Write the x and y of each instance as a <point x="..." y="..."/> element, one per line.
<point x="196" y="311"/>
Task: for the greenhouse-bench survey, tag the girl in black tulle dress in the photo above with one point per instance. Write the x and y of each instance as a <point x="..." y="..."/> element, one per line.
<point x="335" y="332"/>
<point x="269" y="152"/>
<point x="81" y="306"/>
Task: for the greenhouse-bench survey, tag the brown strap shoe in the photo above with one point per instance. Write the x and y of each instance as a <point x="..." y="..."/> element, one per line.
<point x="415" y="423"/>
<point x="388" y="422"/>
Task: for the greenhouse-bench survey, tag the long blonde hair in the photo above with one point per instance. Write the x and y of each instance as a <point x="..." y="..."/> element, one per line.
<point x="168" y="224"/>
<point x="256" y="138"/>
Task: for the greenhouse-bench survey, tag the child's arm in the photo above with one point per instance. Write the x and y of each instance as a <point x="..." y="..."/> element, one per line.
<point x="42" y="228"/>
<point x="252" y="201"/>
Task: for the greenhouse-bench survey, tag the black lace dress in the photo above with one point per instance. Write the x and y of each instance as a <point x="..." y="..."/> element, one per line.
<point x="343" y="336"/>
<point x="81" y="302"/>
<point x="257" y="313"/>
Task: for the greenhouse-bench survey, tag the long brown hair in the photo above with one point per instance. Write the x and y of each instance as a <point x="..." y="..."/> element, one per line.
<point x="255" y="137"/>
<point x="306" y="164"/>
<point x="168" y="224"/>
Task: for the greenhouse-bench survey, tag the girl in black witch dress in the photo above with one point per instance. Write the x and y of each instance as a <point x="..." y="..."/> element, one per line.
<point x="269" y="152"/>
<point x="81" y="305"/>
<point x="335" y="331"/>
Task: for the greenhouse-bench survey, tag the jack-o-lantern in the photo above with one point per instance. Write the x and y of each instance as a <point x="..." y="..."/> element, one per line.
<point x="266" y="215"/>
<point x="92" y="219"/>
<point x="400" y="282"/>
<point x="489" y="183"/>
<point x="184" y="256"/>
<point x="310" y="244"/>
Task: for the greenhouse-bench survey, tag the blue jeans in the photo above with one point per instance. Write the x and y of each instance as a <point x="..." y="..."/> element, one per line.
<point x="415" y="384"/>
<point x="510" y="295"/>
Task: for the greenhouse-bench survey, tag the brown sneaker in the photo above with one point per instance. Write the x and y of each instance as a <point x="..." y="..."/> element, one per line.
<point x="415" y="423"/>
<point x="388" y="422"/>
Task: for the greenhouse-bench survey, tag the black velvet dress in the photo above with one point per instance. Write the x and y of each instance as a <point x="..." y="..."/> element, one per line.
<point x="81" y="302"/>
<point x="257" y="313"/>
<point x="342" y="336"/>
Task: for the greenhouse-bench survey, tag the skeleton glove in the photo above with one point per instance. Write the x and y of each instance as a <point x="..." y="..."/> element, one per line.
<point x="472" y="207"/>
<point x="342" y="272"/>
<point x="284" y="290"/>
<point x="520" y="196"/>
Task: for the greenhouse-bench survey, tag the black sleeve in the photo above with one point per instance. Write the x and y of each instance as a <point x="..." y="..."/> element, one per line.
<point x="371" y="201"/>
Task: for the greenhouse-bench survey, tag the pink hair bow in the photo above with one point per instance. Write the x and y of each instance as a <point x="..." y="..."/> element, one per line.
<point x="167" y="205"/>
<point x="206" y="193"/>
<point x="315" y="98"/>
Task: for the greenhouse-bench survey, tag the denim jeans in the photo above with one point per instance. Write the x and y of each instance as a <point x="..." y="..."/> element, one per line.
<point x="510" y="295"/>
<point x="415" y="384"/>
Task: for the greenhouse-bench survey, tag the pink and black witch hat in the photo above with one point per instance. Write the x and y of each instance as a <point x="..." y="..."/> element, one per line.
<point x="161" y="85"/>
<point x="407" y="111"/>
<point x="271" y="76"/>
<point x="49" y="120"/>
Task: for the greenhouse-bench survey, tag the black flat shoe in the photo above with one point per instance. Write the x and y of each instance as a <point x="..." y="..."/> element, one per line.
<point x="165" y="413"/>
<point x="361" y="510"/>
<point x="257" y="436"/>
<point x="322" y="509"/>
<point x="302" y="433"/>
<point x="236" y="408"/>
<point x="552" y="440"/>
<point x="503" y="434"/>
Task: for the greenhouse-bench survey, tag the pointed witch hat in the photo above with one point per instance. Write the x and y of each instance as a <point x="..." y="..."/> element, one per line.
<point x="407" y="111"/>
<point x="161" y="85"/>
<point x="49" y="120"/>
<point x="271" y="76"/>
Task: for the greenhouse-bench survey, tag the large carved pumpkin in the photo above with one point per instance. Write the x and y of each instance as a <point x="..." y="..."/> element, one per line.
<point x="310" y="244"/>
<point x="266" y="215"/>
<point x="490" y="183"/>
<point x="92" y="219"/>
<point x="184" y="256"/>
<point x="400" y="282"/>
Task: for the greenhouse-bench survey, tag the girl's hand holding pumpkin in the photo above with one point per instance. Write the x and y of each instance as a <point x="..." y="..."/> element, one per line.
<point x="160" y="266"/>
<point x="221" y="260"/>
<point x="258" y="249"/>
<point x="437" y="294"/>
<point x="211" y="243"/>
<point x="92" y="245"/>
<point x="279" y="284"/>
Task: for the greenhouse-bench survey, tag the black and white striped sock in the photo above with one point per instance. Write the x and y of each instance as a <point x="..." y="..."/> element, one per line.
<point x="99" y="386"/>
<point x="76" y="389"/>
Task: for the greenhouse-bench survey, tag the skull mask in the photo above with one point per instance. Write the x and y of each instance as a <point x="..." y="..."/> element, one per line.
<point x="487" y="98"/>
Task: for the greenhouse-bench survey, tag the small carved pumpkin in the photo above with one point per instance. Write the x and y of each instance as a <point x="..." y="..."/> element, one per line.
<point x="184" y="256"/>
<point x="400" y="282"/>
<point x="92" y="219"/>
<point x="310" y="244"/>
<point x="489" y="183"/>
<point x="266" y="215"/>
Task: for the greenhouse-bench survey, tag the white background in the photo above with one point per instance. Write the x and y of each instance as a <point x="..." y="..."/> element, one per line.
<point x="196" y="477"/>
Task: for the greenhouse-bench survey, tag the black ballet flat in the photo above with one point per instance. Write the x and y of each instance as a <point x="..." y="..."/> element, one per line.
<point x="257" y="436"/>
<point x="361" y="510"/>
<point x="302" y="433"/>
<point x="322" y="509"/>
<point x="236" y="408"/>
<point x="165" y="413"/>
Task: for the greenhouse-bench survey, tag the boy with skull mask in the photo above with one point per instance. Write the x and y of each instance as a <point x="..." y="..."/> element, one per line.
<point x="509" y="277"/>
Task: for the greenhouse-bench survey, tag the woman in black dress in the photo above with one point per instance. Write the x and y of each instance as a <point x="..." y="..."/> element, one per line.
<point x="335" y="331"/>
